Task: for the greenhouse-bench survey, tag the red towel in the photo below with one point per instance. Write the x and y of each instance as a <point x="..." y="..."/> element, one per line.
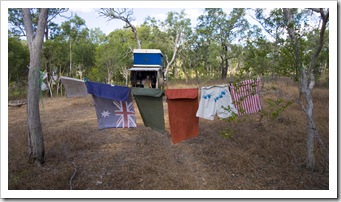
<point x="182" y="107"/>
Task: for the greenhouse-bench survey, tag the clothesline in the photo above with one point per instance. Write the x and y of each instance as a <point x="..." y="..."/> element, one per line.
<point x="114" y="108"/>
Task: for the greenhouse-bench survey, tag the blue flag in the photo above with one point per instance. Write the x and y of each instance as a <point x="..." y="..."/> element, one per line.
<point x="114" y="113"/>
<point x="113" y="104"/>
<point x="108" y="91"/>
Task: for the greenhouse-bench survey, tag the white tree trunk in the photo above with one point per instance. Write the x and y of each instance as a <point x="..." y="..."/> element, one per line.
<point x="307" y="79"/>
<point x="49" y="84"/>
<point x="175" y="49"/>
<point x="308" y="108"/>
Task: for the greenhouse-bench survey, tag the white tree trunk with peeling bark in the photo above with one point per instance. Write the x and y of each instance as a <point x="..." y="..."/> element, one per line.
<point x="35" y="43"/>
<point x="175" y="49"/>
<point x="307" y="80"/>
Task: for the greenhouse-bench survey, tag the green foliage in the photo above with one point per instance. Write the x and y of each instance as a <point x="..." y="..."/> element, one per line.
<point x="233" y="116"/>
<point x="15" y="18"/>
<point x="221" y="41"/>
<point x="227" y="133"/>
<point x="97" y="75"/>
<point x="16" y="90"/>
<point x="113" y="57"/>
<point x="275" y="107"/>
<point x="18" y="59"/>
<point x="217" y="34"/>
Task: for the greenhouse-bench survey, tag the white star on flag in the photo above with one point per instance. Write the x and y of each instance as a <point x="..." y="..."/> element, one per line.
<point x="105" y="114"/>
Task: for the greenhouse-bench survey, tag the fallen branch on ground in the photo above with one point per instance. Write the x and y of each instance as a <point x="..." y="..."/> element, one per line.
<point x="18" y="103"/>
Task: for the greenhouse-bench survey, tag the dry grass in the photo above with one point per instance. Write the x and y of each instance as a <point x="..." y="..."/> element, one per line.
<point x="258" y="156"/>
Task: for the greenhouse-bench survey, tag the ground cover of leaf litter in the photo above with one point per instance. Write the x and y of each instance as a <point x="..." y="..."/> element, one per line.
<point x="259" y="154"/>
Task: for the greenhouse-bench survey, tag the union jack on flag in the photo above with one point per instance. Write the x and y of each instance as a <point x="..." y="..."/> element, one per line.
<point x="114" y="114"/>
<point x="113" y="104"/>
<point x="125" y="114"/>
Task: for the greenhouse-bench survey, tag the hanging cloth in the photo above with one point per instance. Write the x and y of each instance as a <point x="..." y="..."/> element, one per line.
<point x="74" y="87"/>
<point x="182" y="107"/>
<point x="113" y="104"/>
<point x="113" y="92"/>
<point x="215" y="100"/>
<point x="246" y="96"/>
<point x="150" y="104"/>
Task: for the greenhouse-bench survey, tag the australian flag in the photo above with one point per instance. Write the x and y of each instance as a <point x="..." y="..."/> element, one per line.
<point x="113" y="104"/>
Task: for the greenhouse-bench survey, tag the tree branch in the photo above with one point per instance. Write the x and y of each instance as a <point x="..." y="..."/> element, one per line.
<point x="125" y="15"/>
<point x="28" y="24"/>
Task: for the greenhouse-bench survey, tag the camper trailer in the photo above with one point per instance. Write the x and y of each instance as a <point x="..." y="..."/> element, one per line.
<point x="147" y="70"/>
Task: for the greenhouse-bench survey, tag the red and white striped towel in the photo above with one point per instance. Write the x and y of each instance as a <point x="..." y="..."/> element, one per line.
<point x="246" y="96"/>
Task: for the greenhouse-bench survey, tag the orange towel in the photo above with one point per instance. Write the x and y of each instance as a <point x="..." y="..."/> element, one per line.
<point x="182" y="107"/>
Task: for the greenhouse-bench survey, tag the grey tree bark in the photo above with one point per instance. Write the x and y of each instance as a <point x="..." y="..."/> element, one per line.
<point x="307" y="80"/>
<point x="35" y="43"/>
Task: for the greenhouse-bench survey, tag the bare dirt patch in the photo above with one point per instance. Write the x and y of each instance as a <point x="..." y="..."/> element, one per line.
<point x="266" y="154"/>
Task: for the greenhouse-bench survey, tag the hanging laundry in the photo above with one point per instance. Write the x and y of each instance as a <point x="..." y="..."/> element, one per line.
<point x="108" y="91"/>
<point x="113" y="104"/>
<point x="43" y="86"/>
<point x="215" y="100"/>
<point x="43" y="76"/>
<point x="182" y="107"/>
<point x="246" y="96"/>
<point x="74" y="87"/>
<point x="150" y="105"/>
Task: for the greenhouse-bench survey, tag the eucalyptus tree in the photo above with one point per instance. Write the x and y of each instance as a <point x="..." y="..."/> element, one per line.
<point x="273" y="24"/>
<point x="216" y="27"/>
<point x="154" y="36"/>
<point x="305" y="55"/>
<point x="190" y="57"/>
<point x="169" y="36"/>
<point x="15" y="18"/>
<point x="83" y="53"/>
<point x="55" y="60"/>
<point x="178" y="27"/>
<point x="124" y="14"/>
<point x="35" y="36"/>
<point x="113" y="57"/>
<point x="71" y="30"/>
<point x="97" y="36"/>
<point x="257" y="56"/>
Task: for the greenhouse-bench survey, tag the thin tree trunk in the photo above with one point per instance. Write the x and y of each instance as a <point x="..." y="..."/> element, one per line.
<point x="133" y="28"/>
<point x="185" y="72"/>
<point x="175" y="49"/>
<point x="311" y="130"/>
<point x="35" y="43"/>
<point x="307" y="80"/>
<point x="224" y="67"/>
<point x="49" y="84"/>
<point x="70" y="55"/>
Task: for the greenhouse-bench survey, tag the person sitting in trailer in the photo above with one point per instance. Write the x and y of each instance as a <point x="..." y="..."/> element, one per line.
<point x="147" y="83"/>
